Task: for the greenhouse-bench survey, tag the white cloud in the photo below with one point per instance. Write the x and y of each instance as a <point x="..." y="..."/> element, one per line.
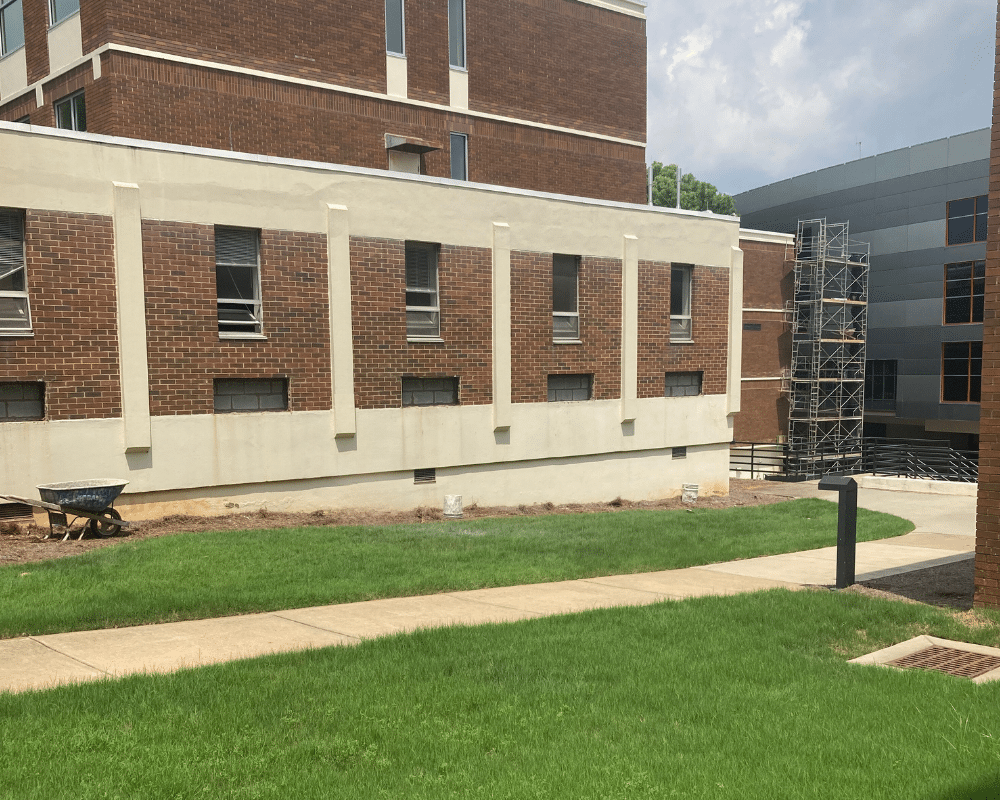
<point x="743" y="92"/>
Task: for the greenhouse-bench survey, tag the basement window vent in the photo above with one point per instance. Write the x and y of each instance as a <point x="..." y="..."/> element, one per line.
<point x="961" y="659"/>
<point x="15" y="511"/>
<point x="679" y="452"/>
<point x="428" y="475"/>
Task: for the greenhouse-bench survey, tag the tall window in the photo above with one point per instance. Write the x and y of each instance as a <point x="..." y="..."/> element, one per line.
<point x="680" y="303"/>
<point x="60" y="9"/>
<point x="423" y="314"/>
<point x="11" y="26"/>
<point x="964" y="291"/>
<point x="456" y="33"/>
<point x="237" y="281"/>
<point x="565" y="291"/>
<point x="15" y="315"/>
<point x="967" y="220"/>
<point x="460" y="157"/>
<point x="71" y="112"/>
<point x="880" y="379"/>
<point x="394" y="39"/>
<point x="961" y="372"/>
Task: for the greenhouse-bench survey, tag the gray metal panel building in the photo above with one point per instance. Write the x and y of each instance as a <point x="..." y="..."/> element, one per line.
<point x="898" y="202"/>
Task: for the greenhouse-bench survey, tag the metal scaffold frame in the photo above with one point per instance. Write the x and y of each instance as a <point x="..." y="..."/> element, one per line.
<point x="829" y="319"/>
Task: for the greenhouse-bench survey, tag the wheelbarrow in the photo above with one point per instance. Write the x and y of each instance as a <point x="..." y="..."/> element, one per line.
<point x="87" y="500"/>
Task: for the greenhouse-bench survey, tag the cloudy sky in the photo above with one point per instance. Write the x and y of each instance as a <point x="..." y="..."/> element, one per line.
<point x="746" y="92"/>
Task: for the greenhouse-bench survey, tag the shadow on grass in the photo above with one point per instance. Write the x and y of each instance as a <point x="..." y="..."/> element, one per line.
<point x="988" y="789"/>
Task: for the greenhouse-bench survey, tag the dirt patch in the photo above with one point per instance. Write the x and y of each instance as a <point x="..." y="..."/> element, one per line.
<point x="23" y="543"/>
<point x="948" y="586"/>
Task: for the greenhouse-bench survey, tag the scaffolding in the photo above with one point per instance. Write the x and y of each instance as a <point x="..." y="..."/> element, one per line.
<point x="829" y="320"/>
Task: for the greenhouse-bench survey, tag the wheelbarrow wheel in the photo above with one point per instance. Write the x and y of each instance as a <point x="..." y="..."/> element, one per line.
<point x="103" y="528"/>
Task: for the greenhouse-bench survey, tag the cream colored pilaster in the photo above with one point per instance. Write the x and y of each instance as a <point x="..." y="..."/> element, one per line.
<point x="630" y="327"/>
<point x="501" y="327"/>
<point x="131" y="294"/>
<point x="338" y="250"/>
<point x="733" y="380"/>
<point x="458" y="85"/>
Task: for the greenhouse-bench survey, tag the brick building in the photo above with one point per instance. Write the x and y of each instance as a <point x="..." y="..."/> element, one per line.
<point x="988" y="509"/>
<point x="387" y="258"/>
<point x="548" y="95"/>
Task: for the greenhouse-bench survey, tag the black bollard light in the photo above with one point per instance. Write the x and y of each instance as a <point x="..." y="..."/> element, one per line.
<point x="847" y="525"/>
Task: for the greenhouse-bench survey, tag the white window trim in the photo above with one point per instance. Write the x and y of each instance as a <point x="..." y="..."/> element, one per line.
<point x="436" y="307"/>
<point x="686" y="306"/>
<point x="68" y="100"/>
<point x="28" y="330"/>
<point x="402" y="22"/>
<point x="571" y="337"/>
<point x="256" y="302"/>
<point x="465" y="27"/>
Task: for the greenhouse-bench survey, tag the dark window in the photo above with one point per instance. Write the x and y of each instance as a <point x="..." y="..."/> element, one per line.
<point x="60" y="9"/>
<point x="22" y="401"/>
<point x="680" y="303"/>
<point x="460" y="157"/>
<point x="961" y="372"/>
<point x="967" y="220"/>
<point x="237" y="281"/>
<point x="456" y="33"/>
<point x="423" y="312"/>
<point x="570" y="387"/>
<point x="430" y="392"/>
<point x="964" y="291"/>
<point x="249" y="394"/>
<point x="11" y="26"/>
<point x="15" y="313"/>
<point x="71" y="112"/>
<point x="565" y="291"/>
<point x="425" y="475"/>
<point x="25" y="120"/>
<point x="679" y="452"/>
<point x="394" y="27"/>
<point x="880" y="379"/>
<point x="682" y="384"/>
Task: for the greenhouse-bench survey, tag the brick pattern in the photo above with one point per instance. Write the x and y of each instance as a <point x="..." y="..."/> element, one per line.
<point x="427" y="52"/>
<point x="185" y="352"/>
<point x="763" y="413"/>
<point x="532" y="348"/>
<point x="382" y="356"/>
<point x="36" y="38"/>
<point x="987" y="578"/>
<point x="768" y="279"/>
<point x="768" y="351"/>
<point x="709" y="322"/>
<point x="548" y="61"/>
<point x="71" y="286"/>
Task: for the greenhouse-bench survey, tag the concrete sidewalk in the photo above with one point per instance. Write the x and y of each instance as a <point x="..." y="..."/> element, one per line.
<point x="945" y="533"/>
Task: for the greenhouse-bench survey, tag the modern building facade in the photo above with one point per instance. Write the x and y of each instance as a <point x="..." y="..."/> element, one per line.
<point x="923" y="211"/>
<point x="547" y="95"/>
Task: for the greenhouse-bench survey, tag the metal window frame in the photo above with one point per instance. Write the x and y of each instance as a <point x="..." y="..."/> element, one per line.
<point x="256" y="302"/>
<point x="465" y="27"/>
<point x="876" y="370"/>
<point x="434" y="250"/>
<point x="968" y="372"/>
<point x="971" y="295"/>
<point x="52" y="13"/>
<point x="402" y="23"/>
<point x="973" y="216"/>
<point x="574" y="335"/>
<point x="681" y="335"/>
<point x="27" y="329"/>
<point x="464" y="137"/>
<point x="4" y="49"/>
<point x="68" y="100"/>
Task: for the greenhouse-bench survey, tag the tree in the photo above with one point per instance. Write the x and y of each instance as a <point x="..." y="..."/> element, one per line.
<point x="696" y="195"/>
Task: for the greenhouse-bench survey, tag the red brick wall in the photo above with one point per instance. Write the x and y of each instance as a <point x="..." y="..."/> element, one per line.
<point x="988" y="509"/>
<point x="768" y="351"/>
<point x="763" y="413"/>
<point x="709" y="326"/>
<point x="427" y="51"/>
<point x="36" y="41"/>
<point x="559" y="62"/>
<point x="768" y="279"/>
<point x="533" y="353"/>
<point x="382" y="356"/>
<point x="71" y="286"/>
<point x="185" y="352"/>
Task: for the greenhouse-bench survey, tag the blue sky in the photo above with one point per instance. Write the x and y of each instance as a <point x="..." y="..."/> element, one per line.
<point x="747" y="92"/>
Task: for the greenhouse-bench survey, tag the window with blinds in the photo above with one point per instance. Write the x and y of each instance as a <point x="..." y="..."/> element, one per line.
<point x="423" y="314"/>
<point x="15" y="313"/>
<point x="237" y="282"/>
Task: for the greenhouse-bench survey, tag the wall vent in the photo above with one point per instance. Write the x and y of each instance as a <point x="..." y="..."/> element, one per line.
<point x="427" y="475"/>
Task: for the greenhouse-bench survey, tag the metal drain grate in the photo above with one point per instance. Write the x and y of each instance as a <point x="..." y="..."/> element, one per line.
<point x="960" y="663"/>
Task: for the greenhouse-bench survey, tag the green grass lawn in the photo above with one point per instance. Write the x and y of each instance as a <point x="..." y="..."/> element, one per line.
<point x="737" y="697"/>
<point x="192" y="576"/>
